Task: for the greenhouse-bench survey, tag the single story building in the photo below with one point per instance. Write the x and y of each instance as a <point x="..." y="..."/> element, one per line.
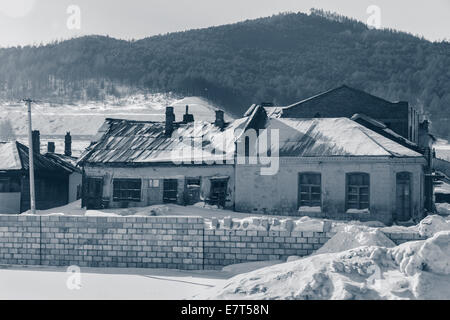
<point x="325" y="167"/>
<point x="142" y="163"/>
<point x="52" y="179"/>
<point x="333" y="168"/>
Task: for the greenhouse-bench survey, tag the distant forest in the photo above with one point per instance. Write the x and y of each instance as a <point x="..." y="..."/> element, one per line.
<point x="280" y="59"/>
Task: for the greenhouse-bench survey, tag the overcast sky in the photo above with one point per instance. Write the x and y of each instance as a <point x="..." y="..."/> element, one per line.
<point x="36" y="21"/>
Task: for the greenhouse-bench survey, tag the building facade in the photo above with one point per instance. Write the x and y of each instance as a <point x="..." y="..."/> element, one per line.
<point x="52" y="179"/>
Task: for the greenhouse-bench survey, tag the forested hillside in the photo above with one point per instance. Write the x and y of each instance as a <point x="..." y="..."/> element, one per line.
<point x="282" y="59"/>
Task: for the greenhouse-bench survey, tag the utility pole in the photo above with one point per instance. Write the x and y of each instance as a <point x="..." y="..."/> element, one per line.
<point x="30" y="158"/>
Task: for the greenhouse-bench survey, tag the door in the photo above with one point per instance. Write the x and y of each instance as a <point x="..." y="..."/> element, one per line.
<point x="403" y="196"/>
<point x="218" y="193"/>
<point x="170" y="191"/>
<point x="192" y="191"/>
<point x="94" y="193"/>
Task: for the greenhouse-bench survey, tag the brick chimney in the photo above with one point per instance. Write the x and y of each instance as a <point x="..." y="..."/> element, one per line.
<point x="220" y="122"/>
<point x="68" y="144"/>
<point x="188" y="117"/>
<point x="36" y="140"/>
<point x="170" y="119"/>
<point x="50" y="147"/>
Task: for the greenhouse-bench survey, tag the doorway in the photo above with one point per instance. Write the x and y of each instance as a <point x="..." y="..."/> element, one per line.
<point x="170" y="192"/>
<point x="403" y="196"/>
<point x="94" y="193"/>
<point x="218" y="195"/>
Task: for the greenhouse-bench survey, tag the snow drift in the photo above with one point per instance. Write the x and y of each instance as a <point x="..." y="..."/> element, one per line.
<point x="413" y="270"/>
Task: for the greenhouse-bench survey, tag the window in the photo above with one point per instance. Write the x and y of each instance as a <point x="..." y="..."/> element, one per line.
<point x="358" y="186"/>
<point x="153" y="183"/>
<point x="9" y="185"/>
<point x="170" y="191"/>
<point x="4" y="185"/>
<point x="218" y="193"/>
<point x="310" y="190"/>
<point x="127" y="190"/>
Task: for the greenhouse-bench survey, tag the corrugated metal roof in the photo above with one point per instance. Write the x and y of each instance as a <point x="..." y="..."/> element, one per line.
<point x="127" y="141"/>
<point x="331" y="137"/>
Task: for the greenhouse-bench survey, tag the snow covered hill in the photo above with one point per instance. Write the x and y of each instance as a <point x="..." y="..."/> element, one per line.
<point x="83" y="120"/>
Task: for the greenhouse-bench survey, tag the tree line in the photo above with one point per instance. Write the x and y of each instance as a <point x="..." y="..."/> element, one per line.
<point x="281" y="59"/>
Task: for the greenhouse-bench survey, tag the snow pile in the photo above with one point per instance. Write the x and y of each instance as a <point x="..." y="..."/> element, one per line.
<point x="443" y="208"/>
<point x="353" y="236"/>
<point x="245" y="267"/>
<point x="414" y="270"/>
<point x="433" y="224"/>
<point x="431" y="255"/>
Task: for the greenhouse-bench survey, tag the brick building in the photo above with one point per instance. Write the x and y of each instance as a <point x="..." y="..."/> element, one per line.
<point x="345" y="101"/>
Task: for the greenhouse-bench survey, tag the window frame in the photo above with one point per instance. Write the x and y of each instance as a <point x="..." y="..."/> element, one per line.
<point x="131" y="190"/>
<point x="358" y="194"/>
<point x="309" y="202"/>
<point x="152" y="184"/>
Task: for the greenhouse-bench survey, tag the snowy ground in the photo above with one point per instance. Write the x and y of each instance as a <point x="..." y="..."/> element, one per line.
<point x="31" y="283"/>
<point x="156" y="284"/>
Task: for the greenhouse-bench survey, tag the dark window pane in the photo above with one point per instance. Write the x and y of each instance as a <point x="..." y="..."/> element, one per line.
<point x="310" y="189"/>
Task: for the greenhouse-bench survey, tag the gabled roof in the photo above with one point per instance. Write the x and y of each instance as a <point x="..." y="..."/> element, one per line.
<point x="333" y="137"/>
<point x="382" y="129"/>
<point x="14" y="156"/>
<point x="344" y="87"/>
<point x="139" y="142"/>
<point x="340" y="97"/>
<point x="68" y="162"/>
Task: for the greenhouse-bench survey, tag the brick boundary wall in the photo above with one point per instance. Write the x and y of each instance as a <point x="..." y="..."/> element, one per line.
<point x="402" y="237"/>
<point x="224" y="247"/>
<point x="149" y="242"/>
<point x="133" y="242"/>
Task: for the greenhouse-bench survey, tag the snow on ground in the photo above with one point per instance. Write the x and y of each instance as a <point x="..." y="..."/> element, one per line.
<point x="358" y="262"/>
<point x="414" y="270"/>
<point x="353" y="236"/>
<point x="443" y="208"/>
<point x="31" y="283"/>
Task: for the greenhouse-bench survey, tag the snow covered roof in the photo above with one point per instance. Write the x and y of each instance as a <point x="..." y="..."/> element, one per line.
<point x="330" y="137"/>
<point x="14" y="156"/>
<point x="9" y="156"/>
<point x="139" y="142"/>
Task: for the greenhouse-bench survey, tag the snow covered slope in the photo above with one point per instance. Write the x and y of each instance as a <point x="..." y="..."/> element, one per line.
<point x="83" y="120"/>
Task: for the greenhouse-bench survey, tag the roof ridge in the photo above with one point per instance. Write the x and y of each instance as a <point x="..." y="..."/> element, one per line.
<point x="376" y="142"/>
<point x="338" y="88"/>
